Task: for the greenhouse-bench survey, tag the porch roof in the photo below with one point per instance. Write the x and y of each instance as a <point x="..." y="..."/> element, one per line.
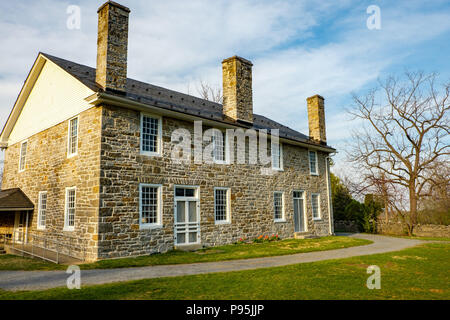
<point x="14" y="200"/>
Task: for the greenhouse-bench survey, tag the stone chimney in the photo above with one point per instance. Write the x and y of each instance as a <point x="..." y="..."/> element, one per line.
<point x="237" y="89"/>
<point x="316" y="118"/>
<point x="112" y="46"/>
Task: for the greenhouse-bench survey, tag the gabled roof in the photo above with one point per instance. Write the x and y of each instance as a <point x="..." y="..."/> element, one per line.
<point x="14" y="199"/>
<point x="163" y="98"/>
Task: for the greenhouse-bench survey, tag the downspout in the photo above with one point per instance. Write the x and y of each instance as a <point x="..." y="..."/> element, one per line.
<point x="330" y="205"/>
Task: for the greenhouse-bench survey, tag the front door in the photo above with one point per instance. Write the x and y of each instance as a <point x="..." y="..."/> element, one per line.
<point x="20" y="227"/>
<point x="187" y="225"/>
<point x="299" y="216"/>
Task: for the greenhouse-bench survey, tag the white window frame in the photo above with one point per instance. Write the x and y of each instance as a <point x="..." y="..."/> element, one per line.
<point x="158" y="224"/>
<point x="226" y="148"/>
<point x="317" y="163"/>
<point x="66" y="209"/>
<point x="228" y="206"/>
<point x="304" y="198"/>
<point x="280" y="168"/>
<point x="159" y="143"/>
<point x="24" y="158"/>
<point x="71" y="154"/>
<point x="282" y="219"/>
<point x="41" y="226"/>
<point x="319" y="211"/>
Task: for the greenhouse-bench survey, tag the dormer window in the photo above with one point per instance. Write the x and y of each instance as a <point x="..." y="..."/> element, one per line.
<point x="151" y="133"/>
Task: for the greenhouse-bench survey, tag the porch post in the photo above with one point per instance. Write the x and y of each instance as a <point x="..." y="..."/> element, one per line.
<point x="26" y="229"/>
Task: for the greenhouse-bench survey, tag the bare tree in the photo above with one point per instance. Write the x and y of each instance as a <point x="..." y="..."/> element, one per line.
<point x="210" y="93"/>
<point x="405" y="132"/>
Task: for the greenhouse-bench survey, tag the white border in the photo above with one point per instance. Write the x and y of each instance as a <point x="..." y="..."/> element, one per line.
<point x="39" y="220"/>
<point x="160" y="140"/>
<point x="281" y="168"/>
<point x="70" y="155"/>
<point x="20" y="156"/>
<point x="317" y="163"/>
<point x="158" y="224"/>
<point x="283" y="217"/>
<point x="228" y="208"/>
<point x="318" y="207"/>
<point x="305" y="216"/>
<point x="66" y="227"/>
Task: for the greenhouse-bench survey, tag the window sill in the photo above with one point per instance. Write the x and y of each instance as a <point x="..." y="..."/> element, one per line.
<point x="222" y="223"/>
<point x="72" y="155"/>
<point x="279" y="220"/>
<point x="150" y="226"/>
<point x="151" y="154"/>
<point x="278" y="169"/>
<point x="69" y="229"/>
<point x="313" y="174"/>
<point x="317" y="219"/>
<point x="41" y="228"/>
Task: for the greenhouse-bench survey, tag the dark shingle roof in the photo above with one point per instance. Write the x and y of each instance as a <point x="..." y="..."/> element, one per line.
<point x="14" y="199"/>
<point x="172" y="100"/>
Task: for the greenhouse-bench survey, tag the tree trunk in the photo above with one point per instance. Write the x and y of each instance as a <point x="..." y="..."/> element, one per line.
<point x="412" y="208"/>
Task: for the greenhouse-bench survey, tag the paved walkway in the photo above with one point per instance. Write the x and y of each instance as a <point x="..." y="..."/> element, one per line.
<point x="38" y="280"/>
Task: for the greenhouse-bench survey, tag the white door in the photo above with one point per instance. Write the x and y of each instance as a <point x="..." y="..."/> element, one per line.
<point x="187" y="214"/>
<point x="299" y="215"/>
<point x="19" y="227"/>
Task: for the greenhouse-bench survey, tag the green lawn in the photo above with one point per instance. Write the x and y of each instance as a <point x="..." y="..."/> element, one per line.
<point x="228" y="252"/>
<point x="416" y="273"/>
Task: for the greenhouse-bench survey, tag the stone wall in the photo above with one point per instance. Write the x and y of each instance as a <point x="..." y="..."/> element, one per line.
<point x="421" y="230"/>
<point x="345" y="226"/>
<point x="123" y="168"/>
<point x="49" y="169"/>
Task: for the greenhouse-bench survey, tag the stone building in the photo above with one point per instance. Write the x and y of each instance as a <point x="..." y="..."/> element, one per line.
<point x="121" y="167"/>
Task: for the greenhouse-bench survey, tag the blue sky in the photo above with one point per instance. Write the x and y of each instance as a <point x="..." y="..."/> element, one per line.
<point x="298" y="48"/>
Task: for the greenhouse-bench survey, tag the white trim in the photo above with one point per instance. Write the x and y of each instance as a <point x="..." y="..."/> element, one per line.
<point x="158" y="224"/>
<point x="319" y="217"/>
<point x="316" y="162"/>
<point x="305" y="216"/>
<point x="283" y="217"/>
<point x="176" y="198"/>
<point x="39" y="220"/>
<point x="69" y="154"/>
<point x="228" y="205"/>
<point x="159" y="146"/>
<point x="281" y="167"/>
<point x="226" y="154"/>
<point x="20" y="156"/>
<point x="67" y="227"/>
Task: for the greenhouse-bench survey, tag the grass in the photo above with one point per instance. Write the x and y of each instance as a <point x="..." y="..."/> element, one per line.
<point x="416" y="273"/>
<point x="227" y="252"/>
<point x="421" y="238"/>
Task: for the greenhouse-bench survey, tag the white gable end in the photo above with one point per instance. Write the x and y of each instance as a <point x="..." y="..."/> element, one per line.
<point x="56" y="97"/>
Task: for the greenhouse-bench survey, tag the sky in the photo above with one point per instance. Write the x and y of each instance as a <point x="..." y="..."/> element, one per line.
<point x="298" y="48"/>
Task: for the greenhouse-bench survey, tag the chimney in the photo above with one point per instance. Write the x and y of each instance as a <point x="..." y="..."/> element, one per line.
<point x="112" y="43"/>
<point x="316" y="118"/>
<point x="237" y="89"/>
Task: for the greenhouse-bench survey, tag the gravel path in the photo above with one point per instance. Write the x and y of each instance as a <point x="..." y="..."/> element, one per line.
<point x="38" y="280"/>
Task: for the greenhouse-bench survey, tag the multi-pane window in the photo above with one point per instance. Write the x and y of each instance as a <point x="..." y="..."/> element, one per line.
<point x="73" y="137"/>
<point x="150" y="134"/>
<point x="70" y="208"/>
<point x="42" y="209"/>
<point x="23" y="155"/>
<point x="313" y="162"/>
<point x="218" y="146"/>
<point x="150" y="205"/>
<point x="315" y="204"/>
<point x="221" y="204"/>
<point x="277" y="156"/>
<point x="278" y="205"/>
